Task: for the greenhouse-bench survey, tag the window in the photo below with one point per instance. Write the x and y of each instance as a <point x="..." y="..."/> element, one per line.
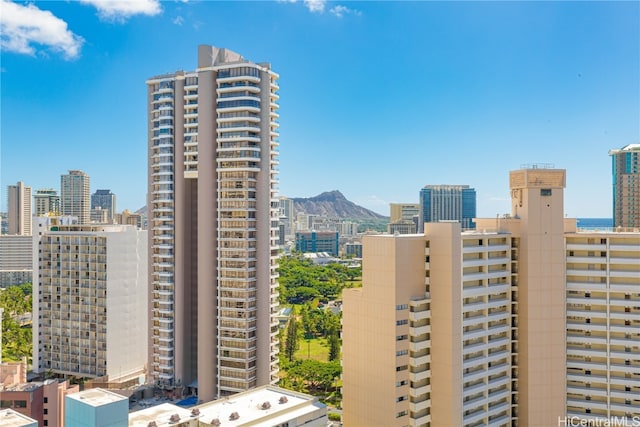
<point x="46" y="411"/>
<point x="401" y="383"/>
<point x="401" y="322"/>
<point x="19" y="403"/>
<point x="401" y="398"/>
<point x="402" y="352"/>
<point x="402" y="337"/>
<point x="401" y="414"/>
<point x="545" y="191"/>
<point x="401" y="368"/>
<point x="402" y="306"/>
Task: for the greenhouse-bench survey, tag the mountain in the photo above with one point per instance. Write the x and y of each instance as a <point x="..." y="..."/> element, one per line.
<point x="333" y="204"/>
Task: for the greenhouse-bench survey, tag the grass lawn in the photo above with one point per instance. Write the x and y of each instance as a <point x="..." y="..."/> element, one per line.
<point x="317" y="349"/>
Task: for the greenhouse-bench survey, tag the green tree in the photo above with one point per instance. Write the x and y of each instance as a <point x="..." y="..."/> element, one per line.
<point x="315" y="374"/>
<point x="293" y="342"/>
<point x="334" y="347"/>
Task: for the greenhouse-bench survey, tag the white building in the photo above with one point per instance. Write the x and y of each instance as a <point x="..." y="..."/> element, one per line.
<point x="212" y="174"/>
<point x="90" y="309"/>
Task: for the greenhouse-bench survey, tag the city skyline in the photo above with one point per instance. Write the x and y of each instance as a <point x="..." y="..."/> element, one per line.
<point x="465" y="90"/>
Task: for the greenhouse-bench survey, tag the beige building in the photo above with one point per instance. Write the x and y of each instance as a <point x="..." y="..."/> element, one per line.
<point x="626" y="186"/>
<point x="19" y="206"/>
<point x="213" y="225"/>
<point x="403" y="211"/>
<point x="456" y="328"/>
<point x="75" y="196"/>
<point x="90" y="313"/>
<point x="603" y="325"/>
<point x="46" y="202"/>
<point x="129" y="218"/>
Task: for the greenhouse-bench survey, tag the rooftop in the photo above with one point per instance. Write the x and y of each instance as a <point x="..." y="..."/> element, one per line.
<point x="11" y="418"/>
<point x="265" y="407"/>
<point x="97" y="397"/>
<point x="160" y="414"/>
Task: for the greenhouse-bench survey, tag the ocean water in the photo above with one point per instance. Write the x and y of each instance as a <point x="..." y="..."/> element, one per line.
<point x="595" y="223"/>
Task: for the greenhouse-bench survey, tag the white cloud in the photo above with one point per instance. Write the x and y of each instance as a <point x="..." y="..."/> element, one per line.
<point x="341" y="10"/>
<point x="315" y="6"/>
<point x="178" y="20"/>
<point x="22" y="26"/>
<point x="121" y="10"/>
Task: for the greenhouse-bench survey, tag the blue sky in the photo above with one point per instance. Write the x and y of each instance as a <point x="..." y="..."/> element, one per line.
<point x="377" y="99"/>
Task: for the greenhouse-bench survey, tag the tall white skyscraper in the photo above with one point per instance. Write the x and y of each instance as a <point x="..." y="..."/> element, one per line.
<point x="19" y="205"/>
<point x="75" y="195"/>
<point x="213" y="225"/>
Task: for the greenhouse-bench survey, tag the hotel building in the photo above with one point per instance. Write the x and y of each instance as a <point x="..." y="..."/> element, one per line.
<point x="626" y="186"/>
<point x="90" y="300"/>
<point x="213" y="225"/>
<point x="75" y="196"/>
<point x="19" y="205"/>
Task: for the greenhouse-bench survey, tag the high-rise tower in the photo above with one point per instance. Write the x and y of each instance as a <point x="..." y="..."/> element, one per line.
<point x="46" y="201"/>
<point x="105" y="200"/>
<point x="213" y="225"/>
<point x="448" y="203"/>
<point x="75" y="195"/>
<point x="19" y="204"/>
<point x="626" y="186"/>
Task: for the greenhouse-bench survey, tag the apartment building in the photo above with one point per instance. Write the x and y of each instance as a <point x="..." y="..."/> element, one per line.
<point x="19" y="206"/>
<point x="213" y="225"/>
<point x="46" y="202"/>
<point x="603" y="325"/>
<point x="463" y="328"/>
<point x="16" y="263"/>
<point x="90" y="300"/>
<point x="626" y="186"/>
<point x="403" y="211"/>
<point x="106" y="201"/>
<point x="75" y="196"/>
<point x="447" y="203"/>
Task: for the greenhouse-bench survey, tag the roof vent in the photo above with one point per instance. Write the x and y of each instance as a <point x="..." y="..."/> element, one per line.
<point x="152" y="424"/>
<point x="195" y="412"/>
<point x="283" y="399"/>
<point x="265" y="405"/>
<point x="234" y="416"/>
<point x="215" y="422"/>
<point x="174" y="418"/>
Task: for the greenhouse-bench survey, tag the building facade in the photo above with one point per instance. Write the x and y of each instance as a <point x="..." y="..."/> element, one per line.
<point x="105" y="200"/>
<point x="46" y="202"/>
<point x="403" y="211"/>
<point x="16" y="262"/>
<point x="75" y="196"/>
<point x="626" y="186"/>
<point x="448" y="203"/>
<point x="213" y="225"/>
<point x="603" y="325"/>
<point x="318" y="241"/>
<point x="463" y="328"/>
<point x="287" y="216"/>
<point x="19" y="209"/>
<point x="90" y="300"/>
